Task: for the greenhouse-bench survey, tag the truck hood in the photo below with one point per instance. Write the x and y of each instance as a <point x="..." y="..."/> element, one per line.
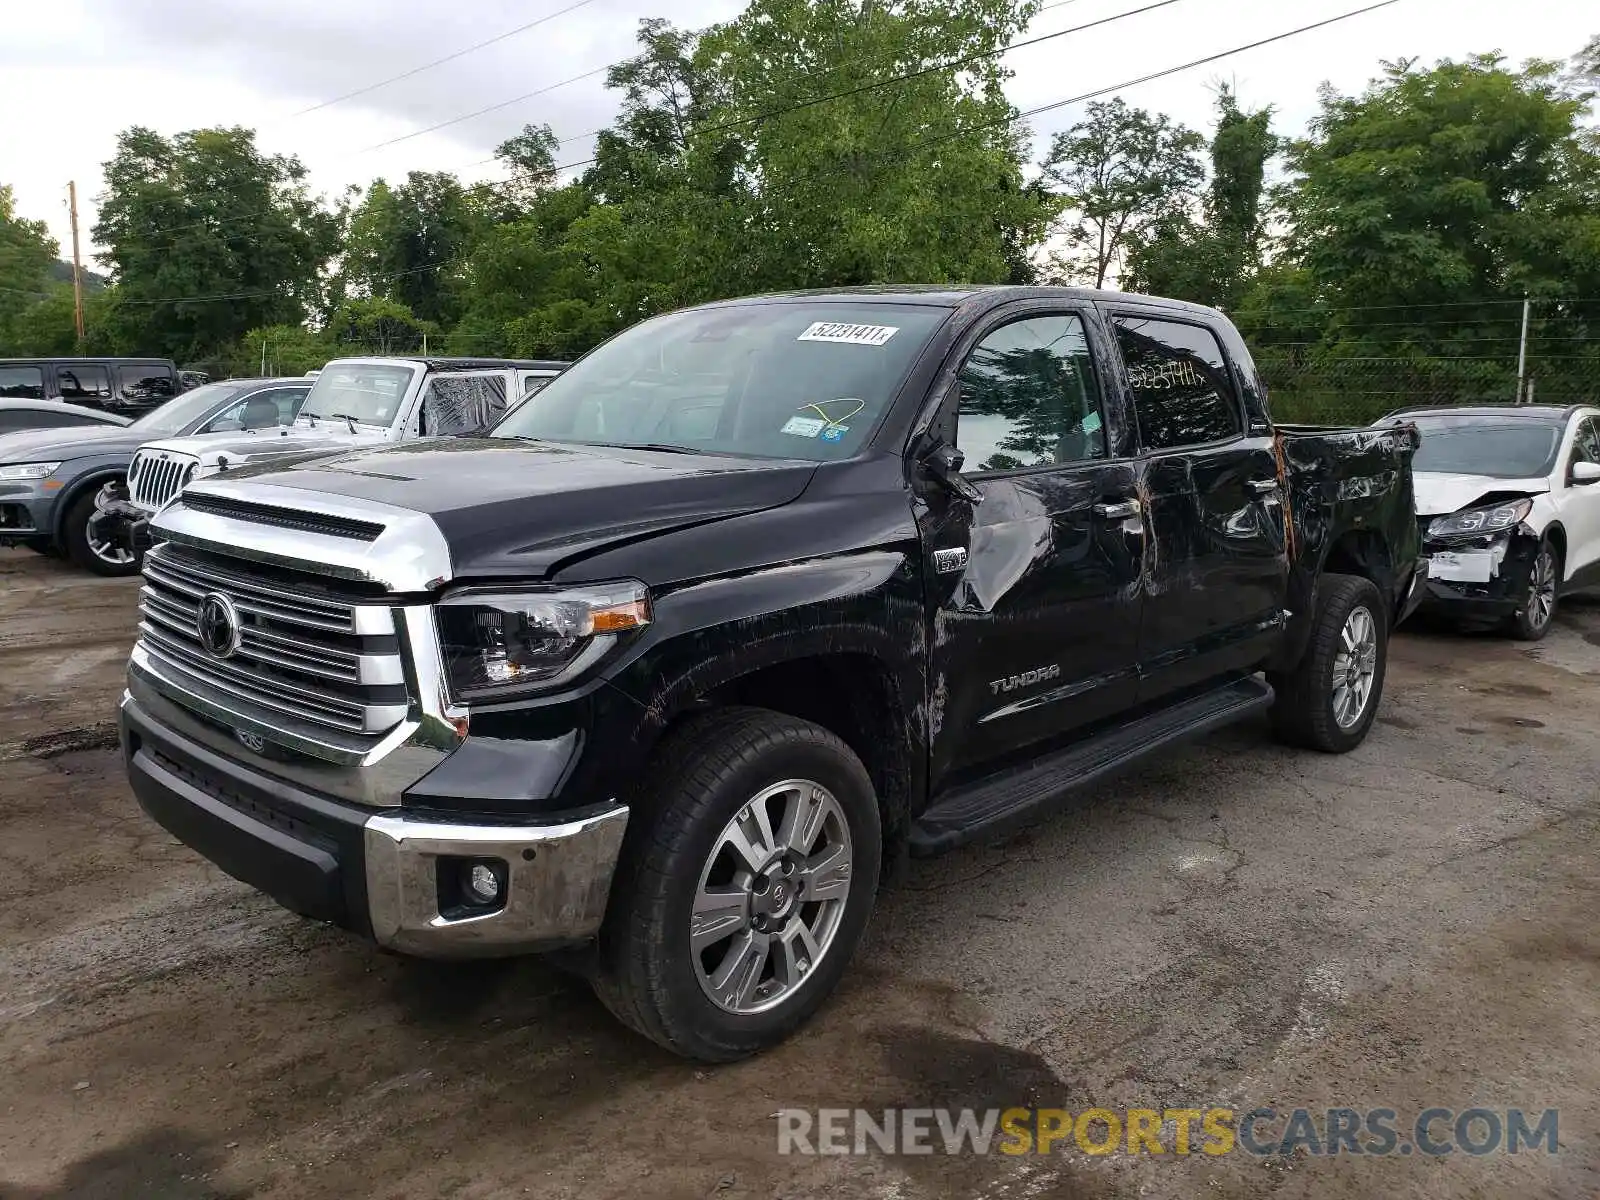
<point x="250" y="445"/>
<point x="518" y="509"/>
<point x="1439" y="492"/>
<point x="63" y="445"/>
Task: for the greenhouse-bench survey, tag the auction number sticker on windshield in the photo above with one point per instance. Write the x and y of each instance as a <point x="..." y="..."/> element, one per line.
<point x="850" y="335"/>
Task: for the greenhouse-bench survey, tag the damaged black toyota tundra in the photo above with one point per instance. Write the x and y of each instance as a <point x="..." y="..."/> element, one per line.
<point x="753" y="601"/>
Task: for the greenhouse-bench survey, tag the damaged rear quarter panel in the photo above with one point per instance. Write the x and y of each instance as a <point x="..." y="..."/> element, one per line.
<point x="1351" y="509"/>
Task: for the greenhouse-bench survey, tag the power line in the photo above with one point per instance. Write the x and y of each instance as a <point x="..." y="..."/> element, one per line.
<point x="428" y="66"/>
<point x="893" y="80"/>
<point x="589" y="74"/>
<point x="759" y="118"/>
<point x="970" y="129"/>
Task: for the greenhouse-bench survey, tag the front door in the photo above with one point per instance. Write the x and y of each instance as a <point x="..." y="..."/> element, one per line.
<point x="1216" y="572"/>
<point x="1580" y="503"/>
<point x="462" y="402"/>
<point x="1035" y="589"/>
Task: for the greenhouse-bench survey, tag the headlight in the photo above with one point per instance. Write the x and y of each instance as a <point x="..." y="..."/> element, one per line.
<point x="28" y="470"/>
<point x="497" y="643"/>
<point x="1480" y="520"/>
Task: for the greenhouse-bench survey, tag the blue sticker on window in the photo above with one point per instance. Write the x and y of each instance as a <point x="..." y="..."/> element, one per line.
<point x="835" y="433"/>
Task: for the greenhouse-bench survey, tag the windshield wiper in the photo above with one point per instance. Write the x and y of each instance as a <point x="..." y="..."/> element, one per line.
<point x="344" y="417"/>
<point x="663" y="447"/>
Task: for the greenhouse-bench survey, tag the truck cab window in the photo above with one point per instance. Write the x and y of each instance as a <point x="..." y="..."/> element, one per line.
<point x="1178" y="378"/>
<point x="1029" y="398"/>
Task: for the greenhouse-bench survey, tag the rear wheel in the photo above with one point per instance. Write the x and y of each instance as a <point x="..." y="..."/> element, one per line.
<point x="747" y="878"/>
<point x="1537" y="612"/>
<point x="1328" y="701"/>
<point x="91" y="549"/>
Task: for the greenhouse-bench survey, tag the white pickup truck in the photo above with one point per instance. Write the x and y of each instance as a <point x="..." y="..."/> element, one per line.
<point x="355" y="403"/>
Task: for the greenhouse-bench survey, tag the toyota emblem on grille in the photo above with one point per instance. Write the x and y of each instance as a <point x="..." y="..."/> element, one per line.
<point x="217" y="623"/>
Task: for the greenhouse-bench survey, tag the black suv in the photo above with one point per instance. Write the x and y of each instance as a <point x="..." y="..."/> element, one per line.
<point x="125" y="386"/>
<point x="753" y="600"/>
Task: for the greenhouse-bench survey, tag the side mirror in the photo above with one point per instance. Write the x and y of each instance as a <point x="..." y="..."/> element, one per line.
<point x="944" y="463"/>
<point x="1584" y="473"/>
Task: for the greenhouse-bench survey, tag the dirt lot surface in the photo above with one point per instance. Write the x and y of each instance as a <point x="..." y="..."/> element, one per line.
<point x="1412" y="925"/>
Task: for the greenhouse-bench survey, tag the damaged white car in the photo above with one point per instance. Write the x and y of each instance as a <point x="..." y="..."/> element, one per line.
<point x="1508" y="499"/>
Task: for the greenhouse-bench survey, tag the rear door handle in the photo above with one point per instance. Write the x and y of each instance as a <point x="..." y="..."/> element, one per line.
<point x="1263" y="487"/>
<point x="1121" y="511"/>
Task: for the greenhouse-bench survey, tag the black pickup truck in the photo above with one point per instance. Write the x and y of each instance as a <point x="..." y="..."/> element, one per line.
<point x="756" y="599"/>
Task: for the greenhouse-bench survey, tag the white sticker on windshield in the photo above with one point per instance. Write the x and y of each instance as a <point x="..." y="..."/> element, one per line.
<point x="853" y="335"/>
<point x="804" y="426"/>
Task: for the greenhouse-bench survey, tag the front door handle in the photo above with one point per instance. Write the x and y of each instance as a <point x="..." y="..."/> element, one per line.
<point x="1122" y="511"/>
<point x="1263" y="487"/>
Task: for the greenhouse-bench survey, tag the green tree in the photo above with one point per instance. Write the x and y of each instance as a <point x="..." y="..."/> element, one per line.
<point x="376" y="326"/>
<point x="1210" y="257"/>
<point x="282" y="349"/>
<point x="207" y="214"/>
<point x="919" y="179"/>
<point x="27" y="252"/>
<point x="1121" y="174"/>
<point x="406" y="244"/>
<point x="1421" y="211"/>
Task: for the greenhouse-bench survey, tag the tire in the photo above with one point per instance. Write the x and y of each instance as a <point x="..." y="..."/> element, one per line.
<point x="1536" y="610"/>
<point x="1311" y="710"/>
<point x="646" y="969"/>
<point x="75" y="537"/>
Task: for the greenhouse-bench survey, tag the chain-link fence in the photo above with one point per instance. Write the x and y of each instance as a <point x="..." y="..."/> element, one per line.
<point x="1356" y="391"/>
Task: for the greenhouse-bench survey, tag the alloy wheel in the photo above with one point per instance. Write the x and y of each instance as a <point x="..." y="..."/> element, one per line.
<point x="1355" y="667"/>
<point x="771" y="896"/>
<point x="1541" y="602"/>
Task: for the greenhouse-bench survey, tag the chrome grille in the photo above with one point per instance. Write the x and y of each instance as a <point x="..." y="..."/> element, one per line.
<point x="155" y="476"/>
<point x="304" y="656"/>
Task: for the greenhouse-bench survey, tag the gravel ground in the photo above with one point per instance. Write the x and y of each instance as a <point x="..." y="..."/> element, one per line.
<point x="1408" y="926"/>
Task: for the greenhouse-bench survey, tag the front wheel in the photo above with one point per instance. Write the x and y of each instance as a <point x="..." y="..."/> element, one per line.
<point x="1537" y="611"/>
<point x="747" y="878"/>
<point x="91" y="548"/>
<point x="1328" y="701"/>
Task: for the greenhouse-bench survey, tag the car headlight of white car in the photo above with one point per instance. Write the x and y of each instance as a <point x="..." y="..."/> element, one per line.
<point x="28" y="470"/>
<point x="1480" y="520"/>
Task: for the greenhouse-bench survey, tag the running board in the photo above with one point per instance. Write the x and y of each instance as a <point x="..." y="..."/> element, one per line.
<point x="994" y="804"/>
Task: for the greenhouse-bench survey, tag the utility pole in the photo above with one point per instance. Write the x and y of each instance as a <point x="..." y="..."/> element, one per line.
<point x="77" y="263"/>
<point x="1522" y="353"/>
<point x="263" y="358"/>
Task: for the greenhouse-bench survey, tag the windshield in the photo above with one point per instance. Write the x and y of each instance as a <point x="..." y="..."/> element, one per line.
<point x="367" y="392"/>
<point x="769" y="380"/>
<point x="1504" y="447"/>
<point x="179" y="414"/>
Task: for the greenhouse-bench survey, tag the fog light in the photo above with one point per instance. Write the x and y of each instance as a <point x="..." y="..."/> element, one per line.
<point x="483" y="883"/>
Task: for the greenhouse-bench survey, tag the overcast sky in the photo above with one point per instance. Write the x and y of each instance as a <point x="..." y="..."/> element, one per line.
<point x="75" y="72"/>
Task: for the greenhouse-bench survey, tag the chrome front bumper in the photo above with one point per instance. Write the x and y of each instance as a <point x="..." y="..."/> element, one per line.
<point x="557" y="882"/>
<point x="384" y="874"/>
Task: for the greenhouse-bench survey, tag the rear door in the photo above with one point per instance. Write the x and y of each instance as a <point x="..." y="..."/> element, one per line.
<point x="1216" y="569"/>
<point x="1034" y="589"/>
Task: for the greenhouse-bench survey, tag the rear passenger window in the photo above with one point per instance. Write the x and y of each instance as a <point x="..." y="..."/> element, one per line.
<point x="79" y="382"/>
<point x="22" y="383"/>
<point x="141" y="384"/>
<point x="1028" y="397"/>
<point x="1182" y="395"/>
